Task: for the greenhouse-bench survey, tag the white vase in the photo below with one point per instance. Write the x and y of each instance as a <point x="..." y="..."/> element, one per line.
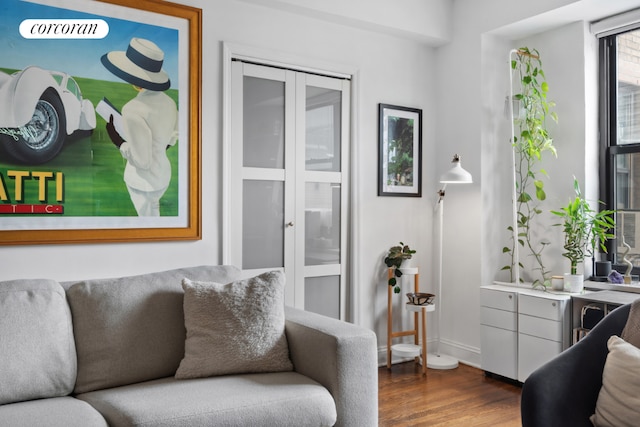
<point x="573" y="283"/>
<point x="408" y="263"/>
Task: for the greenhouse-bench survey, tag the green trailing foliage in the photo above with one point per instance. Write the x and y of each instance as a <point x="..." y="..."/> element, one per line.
<point x="395" y="257"/>
<point x="531" y="140"/>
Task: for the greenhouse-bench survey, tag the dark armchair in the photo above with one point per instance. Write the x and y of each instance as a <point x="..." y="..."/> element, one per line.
<point x="564" y="391"/>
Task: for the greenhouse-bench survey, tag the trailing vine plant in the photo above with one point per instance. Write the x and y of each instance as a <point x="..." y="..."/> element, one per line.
<point x="530" y="141"/>
<point x="394" y="259"/>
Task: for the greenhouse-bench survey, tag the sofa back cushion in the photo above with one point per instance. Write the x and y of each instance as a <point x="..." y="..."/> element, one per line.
<point x="37" y="350"/>
<point x="131" y="329"/>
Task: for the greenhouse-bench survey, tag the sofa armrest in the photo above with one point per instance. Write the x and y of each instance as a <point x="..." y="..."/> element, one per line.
<point x="342" y="357"/>
<point x="564" y="391"/>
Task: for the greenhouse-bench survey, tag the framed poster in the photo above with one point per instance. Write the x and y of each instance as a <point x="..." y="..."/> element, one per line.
<point x="399" y="151"/>
<point x="99" y="121"/>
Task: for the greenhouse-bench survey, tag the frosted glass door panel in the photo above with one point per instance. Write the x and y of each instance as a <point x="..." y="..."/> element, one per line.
<point x="288" y="182"/>
<point x="263" y="219"/>
<point x="263" y="124"/>
<point x="323" y="127"/>
<point x="322" y="223"/>
<point x="322" y="295"/>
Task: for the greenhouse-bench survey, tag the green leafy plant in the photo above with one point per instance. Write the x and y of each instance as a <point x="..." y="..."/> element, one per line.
<point x="584" y="229"/>
<point x="395" y="257"/>
<point x="530" y="142"/>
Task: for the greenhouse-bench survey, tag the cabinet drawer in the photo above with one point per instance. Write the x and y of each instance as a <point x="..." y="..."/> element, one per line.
<point x="499" y="353"/>
<point x="498" y="318"/>
<point x="502" y="300"/>
<point x="541" y="307"/>
<point x="534" y="352"/>
<point x="541" y="328"/>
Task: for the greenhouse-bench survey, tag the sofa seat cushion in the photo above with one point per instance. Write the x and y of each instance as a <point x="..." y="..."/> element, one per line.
<point x="131" y="329"/>
<point x="37" y="350"/>
<point x="53" y="412"/>
<point x="268" y="399"/>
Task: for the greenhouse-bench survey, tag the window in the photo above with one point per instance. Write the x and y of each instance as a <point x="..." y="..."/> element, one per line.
<point x="73" y="87"/>
<point x="620" y="134"/>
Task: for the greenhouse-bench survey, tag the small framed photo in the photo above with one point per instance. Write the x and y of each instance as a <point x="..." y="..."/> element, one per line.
<point x="400" y="151"/>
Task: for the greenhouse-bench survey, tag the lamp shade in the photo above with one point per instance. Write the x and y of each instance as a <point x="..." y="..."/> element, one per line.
<point x="456" y="175"/>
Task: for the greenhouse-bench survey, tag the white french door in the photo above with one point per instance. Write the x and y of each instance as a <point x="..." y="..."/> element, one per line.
<point x="288" y="181"/>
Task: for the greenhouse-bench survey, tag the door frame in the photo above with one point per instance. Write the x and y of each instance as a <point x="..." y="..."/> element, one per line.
<point x="273" y="58"/>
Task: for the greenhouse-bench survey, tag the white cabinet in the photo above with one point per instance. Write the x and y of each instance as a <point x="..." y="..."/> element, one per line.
<point x="521" y="329"/>
<point x="544" y="330"/>
<point x="499" y="332"/>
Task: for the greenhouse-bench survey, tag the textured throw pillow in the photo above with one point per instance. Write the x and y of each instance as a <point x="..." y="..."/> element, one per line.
<point x="618" y="403"/>
<point x="234" y="328"/>
<point x="631" y="331"/>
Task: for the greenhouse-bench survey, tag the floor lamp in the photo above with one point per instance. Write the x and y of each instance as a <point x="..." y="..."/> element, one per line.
<point x="456" y="175"/>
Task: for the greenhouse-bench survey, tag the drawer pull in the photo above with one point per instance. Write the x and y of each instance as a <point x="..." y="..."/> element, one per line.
<point x="510" y="296"/>
<point x="553" y="304"/>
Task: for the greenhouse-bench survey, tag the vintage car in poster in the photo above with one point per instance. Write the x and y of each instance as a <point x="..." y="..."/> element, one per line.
<point x="38" y="110"/>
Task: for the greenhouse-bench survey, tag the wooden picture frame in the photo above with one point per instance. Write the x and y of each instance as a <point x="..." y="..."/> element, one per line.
<point x="84" y="193"/>
<point x="399" y="151"/>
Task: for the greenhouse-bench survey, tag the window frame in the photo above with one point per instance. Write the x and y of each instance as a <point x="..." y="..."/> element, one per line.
<point x="608" y="124"/>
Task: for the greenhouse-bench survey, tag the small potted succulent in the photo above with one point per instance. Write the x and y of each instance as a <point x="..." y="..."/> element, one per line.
<point x="584" y="229"/>
<point x="394" y="259"/>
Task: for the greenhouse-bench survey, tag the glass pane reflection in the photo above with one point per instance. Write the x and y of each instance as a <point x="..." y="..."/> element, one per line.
<point x="262" y="224"/>
<point x="263" y="123"/>
<point x="323" y="121"/>
<point x="322" y="223"/>
<point x="322" y="295"/>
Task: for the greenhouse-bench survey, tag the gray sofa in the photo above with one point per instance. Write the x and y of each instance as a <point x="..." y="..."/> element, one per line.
<point x="104" y="353"/>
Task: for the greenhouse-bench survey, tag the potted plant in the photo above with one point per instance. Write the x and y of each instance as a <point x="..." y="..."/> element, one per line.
<point x="584" y="229"/>
<point x="394" y="259"/>
<point x="530" y="141"/>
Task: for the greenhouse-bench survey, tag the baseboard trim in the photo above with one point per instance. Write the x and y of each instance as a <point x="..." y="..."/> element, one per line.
<point x="464" y="353"/>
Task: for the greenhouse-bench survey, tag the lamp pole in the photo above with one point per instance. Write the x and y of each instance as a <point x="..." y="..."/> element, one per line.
<point x="456" y="175"/>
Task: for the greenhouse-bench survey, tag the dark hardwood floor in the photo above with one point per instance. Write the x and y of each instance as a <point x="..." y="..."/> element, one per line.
<point x="459" y="397"/>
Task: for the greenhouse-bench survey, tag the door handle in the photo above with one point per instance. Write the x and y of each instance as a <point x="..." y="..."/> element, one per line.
<point x="289" y="224"/>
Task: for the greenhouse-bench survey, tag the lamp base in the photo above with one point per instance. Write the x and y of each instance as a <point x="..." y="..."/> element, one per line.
<point x="440" y="361"/>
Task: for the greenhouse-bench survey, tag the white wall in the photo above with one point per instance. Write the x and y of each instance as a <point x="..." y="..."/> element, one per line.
<point x="473" y="75"/>
<point x="460" y="88"/>
<point x="389" y="69"/>
<point x="424" y="20"/>
<point x="562" y="53"/>
<point x="565" y="64"/>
